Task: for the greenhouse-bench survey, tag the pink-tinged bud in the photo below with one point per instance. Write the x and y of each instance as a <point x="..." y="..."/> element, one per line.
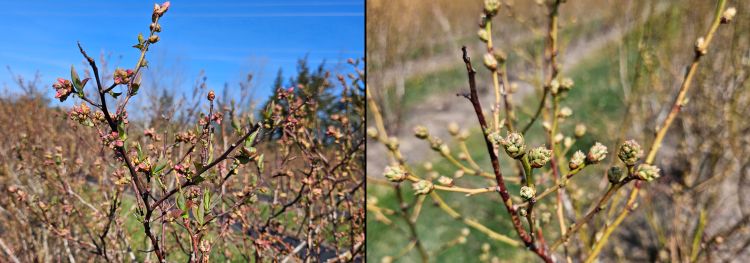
<point x="119" y="143"/>
<point x="160" y="10"/>
<point x="153" y="39"/>
<point x="211" y="96"/>
<point x="63" y="88"/>
<point x="122" y="76"/>
<point x="217" y="117"/>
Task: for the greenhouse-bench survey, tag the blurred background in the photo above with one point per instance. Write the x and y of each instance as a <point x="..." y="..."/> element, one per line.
<point x="627" y="59"/>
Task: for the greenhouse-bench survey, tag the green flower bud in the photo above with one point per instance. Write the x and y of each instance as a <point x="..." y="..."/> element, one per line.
<point x="577" y="160"/>
<point x="445" y="150"/>
<point x="445" y="181"/>
<point x="647" y="172"/>
<point x="372" y="132"/>
<point x="615" y="174"/>
<point x="597" y="153"/>
<point x="566" y="84"/>
<point x="580" y="130"/>
<point x="393" y="143"/>
<point x="565" y="112"/>
<point x="495" y="138"/>
<point x="483" y="35"/>
<point x="527" y="192"/>
<point x="394" y="173"/>
<point x="491" y="7"/>
<point x="423" y="187"/>
<point x="630" y="152"/>
<point x="490" y="61"/>
<point x="514" y="145"/>
<point x="539" y="156"/>
<point x="554" y="86"/>
<point x="453" y="128"/>
<point x="728" y="15"/>
<point x="421" y="132"/>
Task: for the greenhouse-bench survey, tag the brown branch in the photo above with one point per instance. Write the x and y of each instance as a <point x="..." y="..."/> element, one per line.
<point x="503" y="190"/>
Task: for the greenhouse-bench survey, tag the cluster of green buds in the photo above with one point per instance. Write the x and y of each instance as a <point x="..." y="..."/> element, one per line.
<point x="423" y="187"/>
<point x="491" y="7"/>
<point x="527" y="193"/>
<point x="597" y="153"/>
<point x="563" y="85"/>
<point x="394" y="173"/>
<point x="630" y="152"/>
<point x="539" y="156"/>
<point x="647" y="172"/>
<point x="514" y="145"/>
<point x="577" y="160"/>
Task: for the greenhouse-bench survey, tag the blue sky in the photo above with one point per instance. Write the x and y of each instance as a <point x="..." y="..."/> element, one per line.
<point x="227" y="39"/>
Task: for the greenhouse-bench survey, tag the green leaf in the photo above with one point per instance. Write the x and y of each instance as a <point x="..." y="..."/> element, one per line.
<point x="236" y="125"/>
<point x="138" y="46"/>
<point x="260" y="162"/>
<point x="77" y="84"/>
<point x="121" y="131"/>
<point x="249" y="141"/>
<point x="206" y="200"/>
<point x="159" y="167"/>
<point x="115" y="94"/>
<point x="140" y="39"/>
<point x="181" y="201"/>
<point x="141" y="156"/>
<point x="199" y="214"/>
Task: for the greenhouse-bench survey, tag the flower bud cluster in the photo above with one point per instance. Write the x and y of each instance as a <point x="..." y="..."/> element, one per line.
<point x="539" y="156"/>
<point x="112" y="140"/>
<point x="577" y="160"/>
<point x="647" y="172"/>
<point x="186" y="137"/>
<point x="122" y="76"/>
<point x="514" y="145"/>
<point x="81" y="114"/>
<point x="630" y="152"/>
<point x="142" y="165"/>
<point x="183" y="170"/>
<point x="63" y="88"/>
<point x="423" y="187"/>
<point x="597" y="153"/>
<point x="527" y="193"/>
<point x="394" y="173"/>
